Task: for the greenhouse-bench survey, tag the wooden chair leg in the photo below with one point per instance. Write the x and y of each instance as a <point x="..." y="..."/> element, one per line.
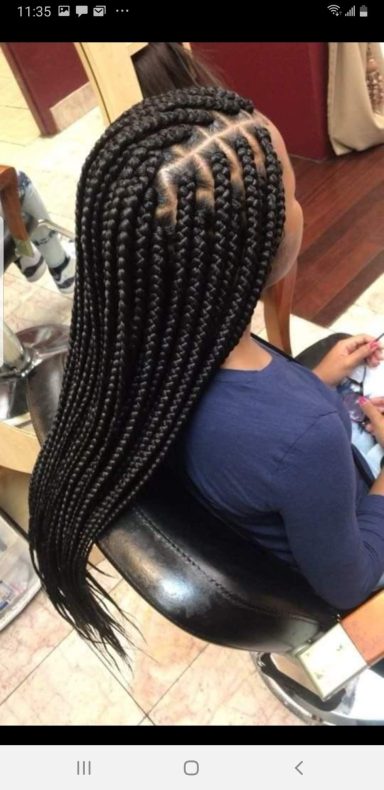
<point x="277" y="310"/>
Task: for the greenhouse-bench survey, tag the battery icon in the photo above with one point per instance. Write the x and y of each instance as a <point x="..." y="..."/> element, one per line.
<point x="363" y="10"/>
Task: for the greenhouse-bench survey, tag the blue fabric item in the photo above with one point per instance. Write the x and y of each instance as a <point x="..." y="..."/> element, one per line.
<point x="270" y="452"/>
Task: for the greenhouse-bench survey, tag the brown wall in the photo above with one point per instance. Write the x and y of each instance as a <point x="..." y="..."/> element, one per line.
<point x="287" y="82"/>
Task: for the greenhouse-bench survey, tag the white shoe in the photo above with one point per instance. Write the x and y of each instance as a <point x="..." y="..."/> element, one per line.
<point x="33" y="268"/>
<point x="64" y="273"/>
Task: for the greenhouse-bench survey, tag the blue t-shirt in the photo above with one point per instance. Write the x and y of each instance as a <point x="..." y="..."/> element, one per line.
<point x="270" y="452"/>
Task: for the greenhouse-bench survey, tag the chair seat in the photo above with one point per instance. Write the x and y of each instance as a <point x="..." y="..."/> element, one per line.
<point x="206" y="578"/>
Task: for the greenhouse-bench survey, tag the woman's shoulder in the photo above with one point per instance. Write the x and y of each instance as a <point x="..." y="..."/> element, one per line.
<point x="284" y="387"/>
<point x="244" y="411"/>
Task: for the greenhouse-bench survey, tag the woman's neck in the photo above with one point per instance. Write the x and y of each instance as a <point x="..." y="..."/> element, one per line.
<point x="248" y="354"/>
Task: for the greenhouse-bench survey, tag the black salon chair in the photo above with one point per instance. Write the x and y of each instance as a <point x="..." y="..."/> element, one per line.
<point x="209" y="580"/>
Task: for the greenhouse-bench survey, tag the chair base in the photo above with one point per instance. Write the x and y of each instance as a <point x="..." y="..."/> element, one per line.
<point x="362" y="702"/>
<point x="13" y="398"/>
<point x="40" y="342"/>
<point x="44" y="341"/>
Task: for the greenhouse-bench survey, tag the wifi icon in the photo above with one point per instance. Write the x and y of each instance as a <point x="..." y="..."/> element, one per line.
<point x="334" y="9"/>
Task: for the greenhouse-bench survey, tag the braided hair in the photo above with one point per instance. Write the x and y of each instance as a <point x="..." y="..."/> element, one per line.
<point x="179" y="213"/>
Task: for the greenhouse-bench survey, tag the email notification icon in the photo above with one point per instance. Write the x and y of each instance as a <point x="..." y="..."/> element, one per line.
<point x="99" y="10"/>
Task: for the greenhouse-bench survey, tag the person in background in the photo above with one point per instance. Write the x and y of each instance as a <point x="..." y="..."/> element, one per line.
<point x="49" y="251"/>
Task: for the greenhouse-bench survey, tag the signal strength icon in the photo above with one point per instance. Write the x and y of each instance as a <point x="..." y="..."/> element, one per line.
<point x="351" y="12"/>
<point x="334" y="9"/>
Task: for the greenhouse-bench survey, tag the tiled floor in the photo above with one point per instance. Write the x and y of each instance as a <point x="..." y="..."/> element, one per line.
<point x="47" y="674"/>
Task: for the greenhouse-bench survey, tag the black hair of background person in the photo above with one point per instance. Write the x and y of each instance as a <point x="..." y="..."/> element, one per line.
<point x="160" y="301"/>
<point x="163" y="66"/>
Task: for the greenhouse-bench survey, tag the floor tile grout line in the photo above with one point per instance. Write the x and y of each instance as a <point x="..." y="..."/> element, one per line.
<point x="130" y="693"/>
<point x="246" y="677"/>
<point x="20" y="145"/>
<point x="36" y="667"/>
<point x="203" y="649"/>
<point x="147" y="717"/>
<point x="72" y="631"/>
<point x="106" y="667"/>
<point x="12" y="107"/>
<point x="56" y="292"/>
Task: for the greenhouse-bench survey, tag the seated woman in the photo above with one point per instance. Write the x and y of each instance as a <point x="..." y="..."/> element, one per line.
<point x="186" y="211"/>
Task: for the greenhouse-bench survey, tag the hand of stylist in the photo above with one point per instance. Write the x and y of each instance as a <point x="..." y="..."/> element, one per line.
<point x="346" y="355"/>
